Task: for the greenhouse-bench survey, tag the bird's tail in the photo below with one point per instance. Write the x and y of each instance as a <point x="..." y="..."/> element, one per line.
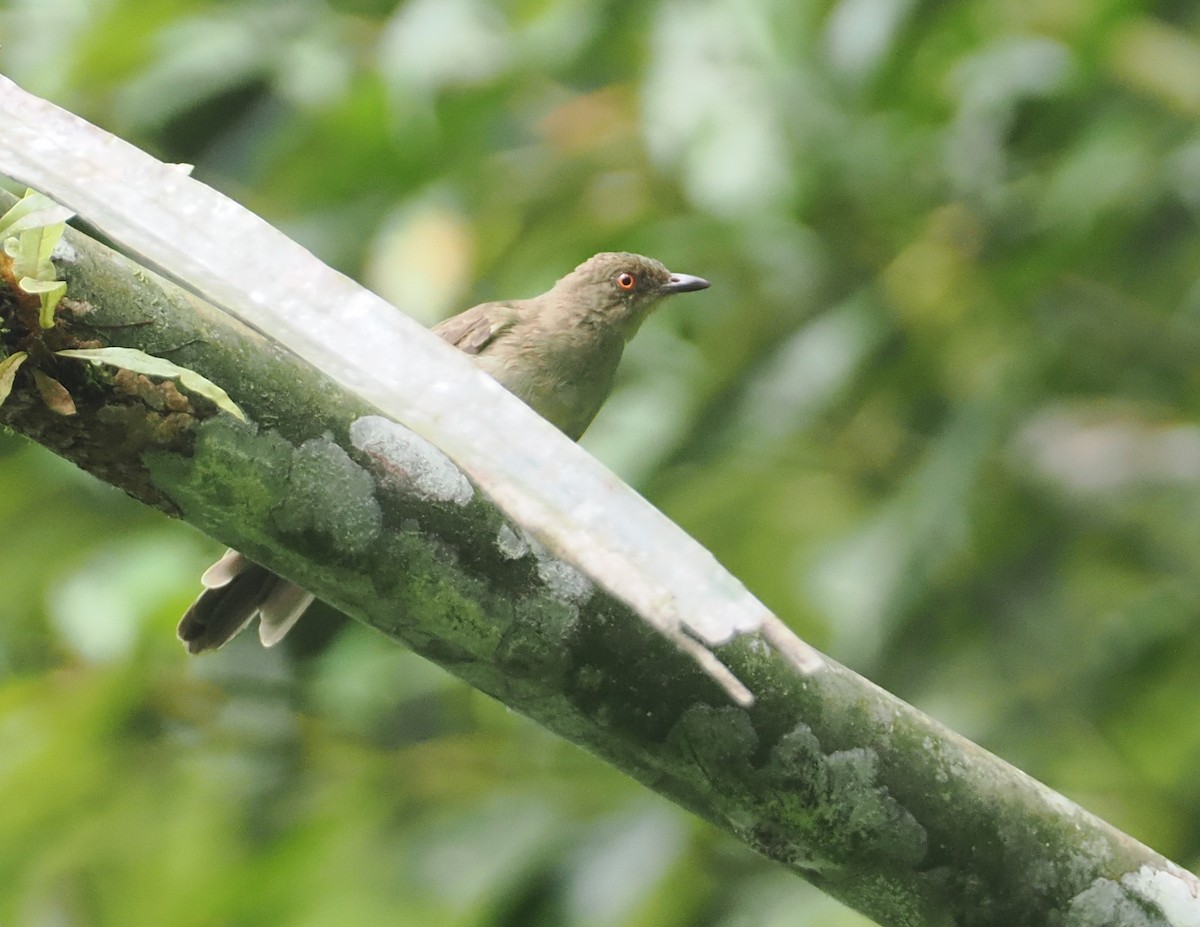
<point x="235" y="590"/>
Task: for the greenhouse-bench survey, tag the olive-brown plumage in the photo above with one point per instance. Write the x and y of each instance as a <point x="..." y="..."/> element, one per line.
<point x="558" y="352"/>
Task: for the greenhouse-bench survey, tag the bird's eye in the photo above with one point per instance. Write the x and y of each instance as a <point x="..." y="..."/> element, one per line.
<point x="626" y="281"/>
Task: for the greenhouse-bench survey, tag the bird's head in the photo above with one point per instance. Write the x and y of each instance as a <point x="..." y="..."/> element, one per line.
<point x="619" y="289"/>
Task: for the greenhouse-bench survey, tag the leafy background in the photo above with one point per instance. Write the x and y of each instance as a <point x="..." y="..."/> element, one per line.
<point x="939" y="410"/>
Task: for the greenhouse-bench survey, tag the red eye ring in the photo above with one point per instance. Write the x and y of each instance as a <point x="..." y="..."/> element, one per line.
<point x="625" y="281"/>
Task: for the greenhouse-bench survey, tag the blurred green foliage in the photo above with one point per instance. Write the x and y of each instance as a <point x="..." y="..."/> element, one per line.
<point x="939" y="410"/>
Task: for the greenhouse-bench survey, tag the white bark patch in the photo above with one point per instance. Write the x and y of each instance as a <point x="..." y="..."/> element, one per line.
<point x="407" y="462"/>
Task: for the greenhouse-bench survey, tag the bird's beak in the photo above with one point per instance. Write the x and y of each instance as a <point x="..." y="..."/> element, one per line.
<point x="684" y="283"/>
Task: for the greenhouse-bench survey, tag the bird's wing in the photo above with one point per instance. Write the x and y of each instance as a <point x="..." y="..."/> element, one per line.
<point x="472" y="331"/>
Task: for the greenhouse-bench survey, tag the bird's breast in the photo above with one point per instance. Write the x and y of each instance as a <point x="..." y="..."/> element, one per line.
<point x="563" y="379"/>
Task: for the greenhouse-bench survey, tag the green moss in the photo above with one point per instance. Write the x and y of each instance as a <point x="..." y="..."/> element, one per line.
<point x="233" y="466"/>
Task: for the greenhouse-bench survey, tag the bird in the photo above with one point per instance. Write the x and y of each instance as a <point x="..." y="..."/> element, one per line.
<point x="557" y="352"/>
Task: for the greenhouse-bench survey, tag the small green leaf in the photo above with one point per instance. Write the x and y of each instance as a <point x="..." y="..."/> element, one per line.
<point x="8" y="371"/>
<point x="32" y="254"/>
<point x="151" y="366"/>
<point x="49" y="292"/>
<point x="33" y="210"/>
